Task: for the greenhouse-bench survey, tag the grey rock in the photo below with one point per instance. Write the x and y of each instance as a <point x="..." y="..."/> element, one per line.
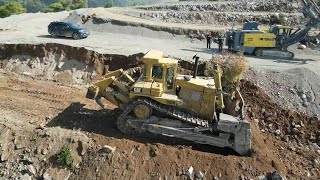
<point x="108" y="149"/>
<point x="262" y="177"/>
<point x="292" y="148"/>
<point x="316" y="146"/>
<point x="308" y="174"/>
<point x="199" y="175"/>
<point x="31" y="170"/>
<point x="44" y="151"/>
<point x="295" y="130"/>
<point x="189" y="172"/>
<point x="278" y="132"/>
<point x="46" y="176"/>
<point x="153" y="152"/>
<point x="25" y="177"/>
<point x="286" y="138"/>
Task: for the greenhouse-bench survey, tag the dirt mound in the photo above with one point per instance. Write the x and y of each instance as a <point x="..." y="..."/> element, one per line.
<point x="299" y="133"/>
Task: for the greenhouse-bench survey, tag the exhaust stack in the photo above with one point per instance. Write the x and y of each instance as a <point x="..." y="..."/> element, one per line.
<point x="195" y="71"/>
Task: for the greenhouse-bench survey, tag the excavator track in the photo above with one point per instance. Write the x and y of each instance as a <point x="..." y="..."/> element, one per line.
<point x="167" y="110"/>
<point x="274" y="53"/>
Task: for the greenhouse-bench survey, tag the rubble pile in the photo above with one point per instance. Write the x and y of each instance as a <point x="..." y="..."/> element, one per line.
<point x="223" y="18"/>
<point x="231" y="6"/>
<point x="227" y="13"/>
<point x="297" y="134"/>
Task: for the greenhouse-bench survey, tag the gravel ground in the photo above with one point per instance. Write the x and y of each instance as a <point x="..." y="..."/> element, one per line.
<point x="296" y="89"/>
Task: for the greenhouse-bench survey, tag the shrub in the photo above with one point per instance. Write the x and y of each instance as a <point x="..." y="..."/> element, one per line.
<point x="66" y="5"/>
<point x="108" y="5"/>
<point x="65" y="158"/>
<point x="10" y="9"/>
<point x="233" y="68"/>
<point x="55" y="7"/>
<point x="282" y="19"/>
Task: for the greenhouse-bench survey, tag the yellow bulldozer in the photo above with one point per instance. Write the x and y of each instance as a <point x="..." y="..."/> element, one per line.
<point x="163" y="102"/>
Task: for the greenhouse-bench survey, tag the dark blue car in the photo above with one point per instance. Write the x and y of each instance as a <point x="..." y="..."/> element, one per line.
<point x="67" y="29"/>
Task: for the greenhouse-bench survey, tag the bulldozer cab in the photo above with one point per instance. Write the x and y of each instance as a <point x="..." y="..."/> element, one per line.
<point x="160" y="70"/>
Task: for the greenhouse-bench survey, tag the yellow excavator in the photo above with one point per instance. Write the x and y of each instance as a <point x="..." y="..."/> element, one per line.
<point x="276" y="40"/>
<point x="163" y="102"/>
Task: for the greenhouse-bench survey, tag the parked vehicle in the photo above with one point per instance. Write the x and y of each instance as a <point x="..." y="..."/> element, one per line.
<point x="67" y="29"/>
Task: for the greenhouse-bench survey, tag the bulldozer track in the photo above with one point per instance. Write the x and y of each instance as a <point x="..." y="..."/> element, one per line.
<point x="167" y="110"/>
<point x="123" y="126"/>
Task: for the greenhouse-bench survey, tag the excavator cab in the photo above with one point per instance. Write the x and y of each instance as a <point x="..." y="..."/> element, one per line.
<point x="281" y="32"/>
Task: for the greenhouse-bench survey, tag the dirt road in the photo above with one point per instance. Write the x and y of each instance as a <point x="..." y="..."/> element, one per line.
<point x="126" y="40"/>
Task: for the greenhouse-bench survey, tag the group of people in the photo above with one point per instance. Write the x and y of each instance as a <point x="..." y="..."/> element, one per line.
<point x="219" y="41"/>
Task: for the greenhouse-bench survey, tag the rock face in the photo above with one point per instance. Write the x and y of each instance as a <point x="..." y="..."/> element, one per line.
<point x="62" y="63"/>
<point x="227" y="13"/>
<point x="231" y="6"/>
<point x="224" y="18"/>
<point x="296" y="89"/>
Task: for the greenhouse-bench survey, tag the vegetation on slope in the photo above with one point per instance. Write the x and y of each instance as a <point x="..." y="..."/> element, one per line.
<point x="33" y="6"/>
<point x="10" y="9"/>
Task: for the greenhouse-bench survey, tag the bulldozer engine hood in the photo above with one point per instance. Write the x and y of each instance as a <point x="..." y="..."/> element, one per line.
<point x="147" y="88"/>
<point x="196" y="84"/>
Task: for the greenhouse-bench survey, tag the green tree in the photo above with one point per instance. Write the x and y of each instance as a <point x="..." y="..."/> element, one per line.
<point x="10" y="9"/>
<point x="55" y="7"/>
<point x="108" y="5"/>
<point x="67" y="5"/>
<point x="33" y="5"/>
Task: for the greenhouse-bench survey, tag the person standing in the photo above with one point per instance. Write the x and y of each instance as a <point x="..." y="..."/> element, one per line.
<point x="220" y="43"/>
<point x="230" y="43"/>
<point x="209" y="39"/>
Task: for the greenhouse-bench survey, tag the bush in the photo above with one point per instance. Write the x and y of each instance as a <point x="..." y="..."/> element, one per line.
<point x="282" y="19"/>
<point x="67" y="5"/>
<point x="233" y="68"/>
<point x="11" y="9"/>
<point x="108" y="5"/>
<point x="64" y="157"/>
<point x="55" y="7"/>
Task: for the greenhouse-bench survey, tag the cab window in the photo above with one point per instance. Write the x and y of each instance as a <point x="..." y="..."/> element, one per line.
<point x="157" y="72"/>
<point x="169" y="77"/>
